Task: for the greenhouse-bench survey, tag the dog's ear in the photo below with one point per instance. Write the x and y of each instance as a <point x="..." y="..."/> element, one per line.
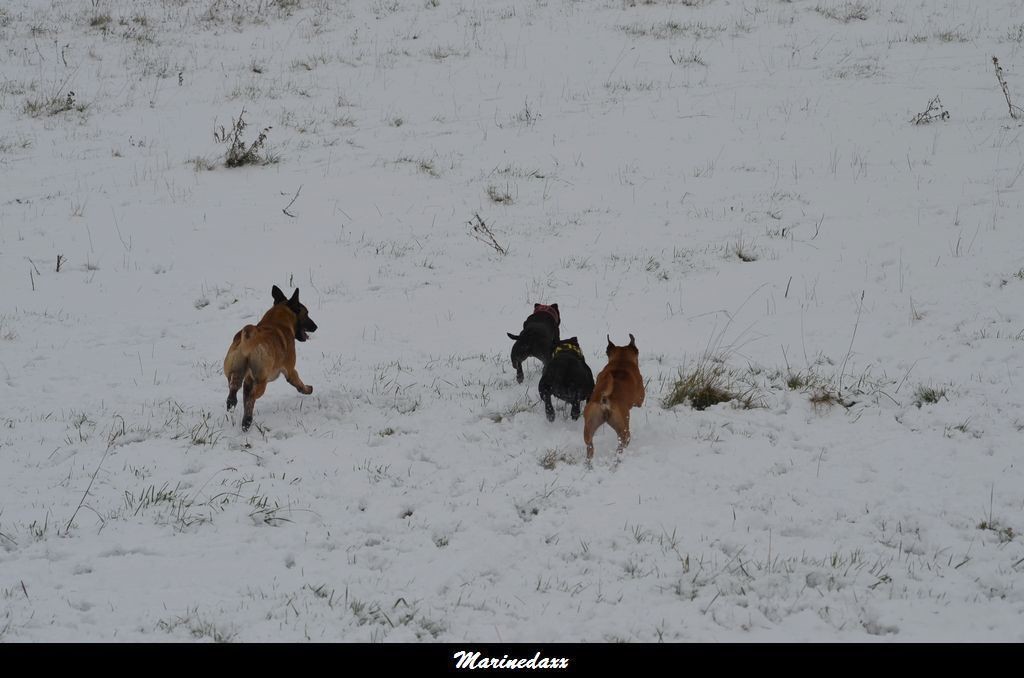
<point x="278" y="295"/>
<point x="536" y="306"/>
<point x="295" y="296"/>
<point x="610" y="344"/>
<point x="572" y="340"/>
<point x="632" y="341"/>
<point x="554" y="306"/>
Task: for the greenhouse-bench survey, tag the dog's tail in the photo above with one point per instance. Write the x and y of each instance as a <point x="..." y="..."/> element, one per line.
<point x="513" y="337"/>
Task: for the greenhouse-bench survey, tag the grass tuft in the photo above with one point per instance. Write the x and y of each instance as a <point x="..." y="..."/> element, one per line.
<point x="709" y="382"/>
<point x="928" y="394"/>
<point x="844" y="12"/>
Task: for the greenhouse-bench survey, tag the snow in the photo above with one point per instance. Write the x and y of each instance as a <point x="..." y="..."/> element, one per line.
<point x="419" y="494"/>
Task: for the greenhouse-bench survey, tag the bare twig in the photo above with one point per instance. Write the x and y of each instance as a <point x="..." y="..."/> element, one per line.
<point x="935" y="111"/>
<point x="294" y="198"/>
<point x="113" y="436"/>
<point x="1016" y="112"/>
<point x="842" y="371"/>
<point x="483" y="233"/>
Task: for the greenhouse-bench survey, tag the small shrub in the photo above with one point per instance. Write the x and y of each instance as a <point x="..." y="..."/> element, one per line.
<point x="239" y="153"/>
<point x="935" y="111"/>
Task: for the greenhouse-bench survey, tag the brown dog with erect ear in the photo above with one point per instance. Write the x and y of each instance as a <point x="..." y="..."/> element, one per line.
<point x="619" y="387"/>
<point x="262" y="352"/>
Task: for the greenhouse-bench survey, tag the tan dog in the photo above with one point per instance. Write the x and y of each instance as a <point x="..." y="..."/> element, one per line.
<point x="619" y="387"/>
<point x="262" y="352"/>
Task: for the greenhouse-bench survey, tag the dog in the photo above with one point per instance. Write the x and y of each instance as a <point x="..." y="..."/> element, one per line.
<point x="262" y="352"/>
<point x="619" y="388"/>
<point x="567" y="377"/>
<point x="538" y="338"/>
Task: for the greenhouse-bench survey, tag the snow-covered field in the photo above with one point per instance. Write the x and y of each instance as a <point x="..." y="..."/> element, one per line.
<point x="736" y="183"/>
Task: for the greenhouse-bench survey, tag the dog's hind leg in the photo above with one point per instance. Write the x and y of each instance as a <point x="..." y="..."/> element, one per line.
<point x="235" y="367"/>
<point x="620" y="422"/>
<point x="575" y="411"/>
<point x="519" y="370"/>
<point x="251" y="390"/>
<point x="593" y="416"/>
<point x="545" y="395"/>
<point x="234" y="383"/>
<point x="293" y="378"/>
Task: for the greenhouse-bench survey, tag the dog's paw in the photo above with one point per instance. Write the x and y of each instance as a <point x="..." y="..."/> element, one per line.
<point x="308" y="389"/>
<point x="231" y="403"/>
<point x="246" y="423"/>
<point x="551" y="414"/>
<point x="519" y="377"/>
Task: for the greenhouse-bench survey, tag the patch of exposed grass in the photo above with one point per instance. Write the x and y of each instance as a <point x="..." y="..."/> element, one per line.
<point x="100" y="20"/>
<point x="844" y="12"/>
<point x="498" y="195"/>
<point x="952" y="35"/>
<point x="442" y="52"/>
<point x="709" y="382"/>
<point x="522" y="173"/>
<point x="1004" y="532"/>
<point x="555" y="456"/>
<point x="198" y="627"/>
<point x="822" y="392"/>
<point x="673" y="29"/>
<point x="826" y="397"/>
<point x="202" y="164"/>
<point x="425" y="165"/>
<point x="519" y="406"/>
<point x="7" y="144"/>
<point x="38" y="107"/>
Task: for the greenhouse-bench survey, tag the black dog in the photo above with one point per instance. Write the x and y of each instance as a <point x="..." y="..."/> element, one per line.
<point x="538" y="338"/>
<point x="567" y="377"/>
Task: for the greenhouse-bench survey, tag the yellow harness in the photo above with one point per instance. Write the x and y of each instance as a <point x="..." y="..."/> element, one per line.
<point x="573" y="348"/>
